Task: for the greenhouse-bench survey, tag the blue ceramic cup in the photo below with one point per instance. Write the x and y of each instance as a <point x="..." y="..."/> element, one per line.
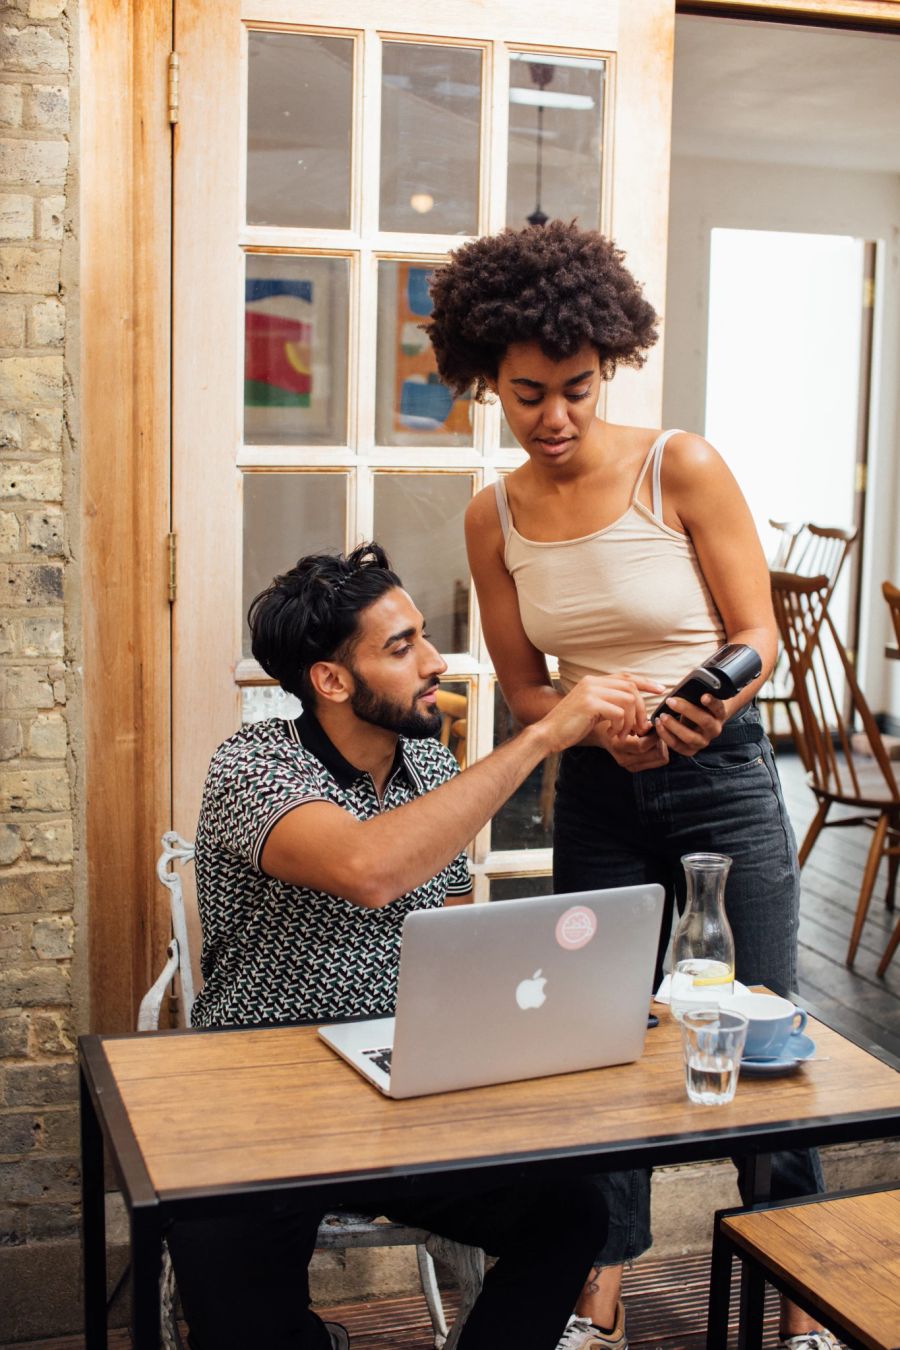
<point x="771" y="1022"/>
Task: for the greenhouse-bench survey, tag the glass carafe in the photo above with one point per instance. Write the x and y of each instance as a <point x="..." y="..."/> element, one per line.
<point x="703" y="946"/>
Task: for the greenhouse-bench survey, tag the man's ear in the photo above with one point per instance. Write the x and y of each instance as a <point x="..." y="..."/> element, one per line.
<point x="331" y="681"/>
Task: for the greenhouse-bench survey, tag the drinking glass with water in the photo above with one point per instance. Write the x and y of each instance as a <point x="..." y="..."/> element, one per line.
<point x="712" y="1042"/>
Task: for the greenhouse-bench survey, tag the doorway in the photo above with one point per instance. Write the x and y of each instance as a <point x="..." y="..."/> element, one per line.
<point x="788" y="130"/>
<point x="783" y="392"/>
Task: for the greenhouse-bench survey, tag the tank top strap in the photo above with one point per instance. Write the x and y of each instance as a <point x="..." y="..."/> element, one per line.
<point x="654" y="457"/>
<point x="502" y="506"/>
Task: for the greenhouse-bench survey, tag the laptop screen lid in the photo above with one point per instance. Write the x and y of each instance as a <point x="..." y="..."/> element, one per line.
<point x="523" y="988"/>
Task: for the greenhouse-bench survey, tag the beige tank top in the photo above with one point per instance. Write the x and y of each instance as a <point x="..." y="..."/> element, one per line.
<point x="628" y="597"/>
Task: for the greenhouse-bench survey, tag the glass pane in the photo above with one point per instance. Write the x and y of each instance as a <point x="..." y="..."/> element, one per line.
<point x="517" y="888"/>
<point x="507" y="439"/>
<point x="260" y="701"/>
<point x="413" y="407"/>
<point x="419" y="520"/>
<point x="555" y="139"/>
<point x="287" y="515"/>
<point x="526" y="821"/>
<point x="453" y="702"/>
<point x="430" y="134"/>
<point x="299" y="111"/>
<point x="295" y="350"/>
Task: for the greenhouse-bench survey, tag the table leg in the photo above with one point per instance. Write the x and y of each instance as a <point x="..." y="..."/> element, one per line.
<point x="146" y="1262"/>
<point x="719" y="1291"/>
<point x="753" y="1295"/>
<point x="93" y="1223"/>
<point x="756" y="1189"/>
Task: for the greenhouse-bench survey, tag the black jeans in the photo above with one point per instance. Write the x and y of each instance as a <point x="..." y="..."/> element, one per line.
<point x="615" y="828"/>
<point x="243" y="1281"/>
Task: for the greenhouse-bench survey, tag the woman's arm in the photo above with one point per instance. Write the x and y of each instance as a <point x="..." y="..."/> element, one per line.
<point x="700" y="489"/>
<point x="521" y="668"/>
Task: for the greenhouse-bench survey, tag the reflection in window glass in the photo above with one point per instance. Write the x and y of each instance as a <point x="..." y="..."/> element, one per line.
<point x="430" y="134"/>
<point x="413" y="406"/>
<point x="419" y="521"/>
<point x="555" y="139"/>
<point x="295" y="350"/>
<point x="526" y="820"/>
<point x="299" y="105"/>
<point x="518" y="888"/>
<point x="287" y="515"/>
<point x="453" y="704"/>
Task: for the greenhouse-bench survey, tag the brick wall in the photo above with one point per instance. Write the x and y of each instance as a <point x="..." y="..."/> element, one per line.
<point x="38" y="1115"/>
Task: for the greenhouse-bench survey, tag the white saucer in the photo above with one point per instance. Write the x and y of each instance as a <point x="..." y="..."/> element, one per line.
<point x="798" y="1049"/>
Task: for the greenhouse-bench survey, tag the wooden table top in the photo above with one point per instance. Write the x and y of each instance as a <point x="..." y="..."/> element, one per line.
<point x="845" y="1252"/>
<point x="250" y="1107"/>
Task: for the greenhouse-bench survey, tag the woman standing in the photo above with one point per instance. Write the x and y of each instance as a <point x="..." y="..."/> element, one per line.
<point x="617" y="548"/>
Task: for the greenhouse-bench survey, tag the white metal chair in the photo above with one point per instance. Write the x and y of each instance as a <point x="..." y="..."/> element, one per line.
<point x="336" y="1230"/>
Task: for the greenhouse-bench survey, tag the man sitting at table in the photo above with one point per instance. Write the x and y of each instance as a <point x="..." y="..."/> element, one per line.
<point x="316" y="838"/>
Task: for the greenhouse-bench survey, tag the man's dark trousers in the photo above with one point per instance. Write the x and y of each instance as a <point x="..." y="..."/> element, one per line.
<point x="243" y="1282"/>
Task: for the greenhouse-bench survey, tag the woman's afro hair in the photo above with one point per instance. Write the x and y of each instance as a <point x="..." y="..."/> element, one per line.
<point x="553" y="284"/>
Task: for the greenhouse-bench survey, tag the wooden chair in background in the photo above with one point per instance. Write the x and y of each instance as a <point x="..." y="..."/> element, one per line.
<point x="807" y="551"/>
<point x="337" y="1231"/>
<point x="454" y="709"/>
<point x="788" y="530"/>
<point x="846" y="761"/>
<point x="891" y="594"/>
<point x="820" y="550"/>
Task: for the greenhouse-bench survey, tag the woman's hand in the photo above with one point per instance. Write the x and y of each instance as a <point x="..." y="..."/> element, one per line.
<point x="635" y="753"/>
<point x="701" y="725"/>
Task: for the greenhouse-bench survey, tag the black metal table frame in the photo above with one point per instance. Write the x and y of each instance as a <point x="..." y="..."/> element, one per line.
<point x="754" y="1280"/>
<point x="104" y="1120"/>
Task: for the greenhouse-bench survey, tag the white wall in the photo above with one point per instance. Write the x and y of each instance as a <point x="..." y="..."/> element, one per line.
<point x="740" y="195"/>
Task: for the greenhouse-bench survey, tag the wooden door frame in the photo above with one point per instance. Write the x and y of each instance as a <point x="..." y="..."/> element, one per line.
<point x="124" y="414"/>
<point x="871" y="15"/>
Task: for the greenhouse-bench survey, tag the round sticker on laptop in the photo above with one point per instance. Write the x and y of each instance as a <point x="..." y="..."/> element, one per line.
<point x="576" y="927"/>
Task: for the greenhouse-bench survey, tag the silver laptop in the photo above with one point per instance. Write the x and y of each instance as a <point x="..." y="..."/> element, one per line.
<point x="516" y="989"/>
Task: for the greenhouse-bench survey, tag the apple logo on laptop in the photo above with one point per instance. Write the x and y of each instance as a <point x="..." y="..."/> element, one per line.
<point x="530" y="993"/>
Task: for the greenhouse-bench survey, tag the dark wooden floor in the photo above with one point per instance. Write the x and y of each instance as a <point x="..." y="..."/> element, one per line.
<point x="666" y="1300"/>
<point x="857" y="1001"/>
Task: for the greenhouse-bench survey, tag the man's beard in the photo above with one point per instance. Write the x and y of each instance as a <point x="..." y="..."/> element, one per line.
<point x="383" y="712"/>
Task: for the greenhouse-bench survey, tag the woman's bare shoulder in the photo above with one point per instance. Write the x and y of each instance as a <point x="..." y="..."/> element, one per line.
<point x="687" y="454"/>
<point x="482" y="509"/>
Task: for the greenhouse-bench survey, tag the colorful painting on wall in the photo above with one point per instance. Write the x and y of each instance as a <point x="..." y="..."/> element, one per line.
<point x="278" y="343"/>
<point x="421" y="402"/>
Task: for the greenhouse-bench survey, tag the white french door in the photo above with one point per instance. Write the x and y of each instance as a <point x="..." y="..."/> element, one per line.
<point x="326" y="156"/>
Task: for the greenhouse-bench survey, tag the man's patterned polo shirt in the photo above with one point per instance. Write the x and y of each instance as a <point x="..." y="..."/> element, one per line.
<point x="273" y="952"/>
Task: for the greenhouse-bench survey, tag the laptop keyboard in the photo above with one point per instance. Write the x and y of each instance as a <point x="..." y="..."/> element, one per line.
<point x="380" y="1058"/>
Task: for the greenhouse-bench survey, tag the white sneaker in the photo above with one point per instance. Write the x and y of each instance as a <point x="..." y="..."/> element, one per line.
<point x="581" y="1334"/>
<point x="810" y="1340"/>
<point x="340" y="1340"/>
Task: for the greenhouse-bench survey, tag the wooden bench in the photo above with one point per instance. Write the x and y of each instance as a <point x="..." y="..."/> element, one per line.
<point x="837" y="1256"/>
